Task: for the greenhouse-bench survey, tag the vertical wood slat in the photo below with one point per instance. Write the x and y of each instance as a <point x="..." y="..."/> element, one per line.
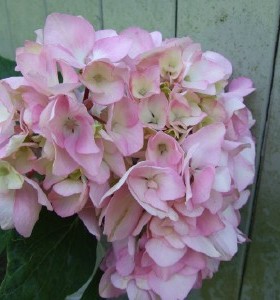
<point x="262" y="272"/>
<point x="25" y="17"/>
<point x="89" y="9"/>
<point x="19" y="19"/>
<point x="243" y="32"/>
<point x="150" y="15"/>
<point x="5" y="38"/>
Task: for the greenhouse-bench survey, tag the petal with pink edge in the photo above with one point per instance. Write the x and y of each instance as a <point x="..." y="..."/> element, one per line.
<point x="68" y="197"/>
<point x="88" y="216"/>
<point x="209" y="139"/>
<point x="241" y="86"/>
<point x="122" y="215"/>
<point x="163" y="254"/>
<point x="201" y="244"/>
<point x="202" y="184"/>
<point x="74" y="34"/>
<point x="176" y="287"/>
<point x="26" y="209"/>
<point x="106" y="288"/>
<point x="113" y="48"/>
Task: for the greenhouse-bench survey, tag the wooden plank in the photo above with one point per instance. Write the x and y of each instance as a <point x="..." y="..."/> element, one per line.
<point x="5" y="37"/>
<point x="25" y="17"/>
<point x="242" y="32"/>
<point x="262" y="272"/>
<point x="148" y="14"/>
<point x="89" y="9"/>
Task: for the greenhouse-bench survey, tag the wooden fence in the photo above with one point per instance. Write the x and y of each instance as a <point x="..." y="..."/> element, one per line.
<point x="246" y="32"/>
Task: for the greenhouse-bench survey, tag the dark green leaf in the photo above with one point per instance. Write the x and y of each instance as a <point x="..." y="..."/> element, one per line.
<point x="54" y="262"/>
<point x="7" y="68"/>
<point x="4" y="238"/>
<point x="90" y="289"/>
<point x="92" y="293"/>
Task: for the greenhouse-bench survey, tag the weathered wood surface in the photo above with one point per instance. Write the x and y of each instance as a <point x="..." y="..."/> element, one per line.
<point x="89" y="9"/>
<point x="246" y="33"/>
<point x="262" y="268"/>
<point x="243" y="32"/>
<point x="148" y="14"/>
<point x="24" y="17"/>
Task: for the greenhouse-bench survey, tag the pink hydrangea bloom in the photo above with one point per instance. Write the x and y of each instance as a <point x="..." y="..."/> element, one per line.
<point x="146" y="140"/>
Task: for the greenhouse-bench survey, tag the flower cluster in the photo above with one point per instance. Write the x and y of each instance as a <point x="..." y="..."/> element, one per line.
<point x="145" y="139"/>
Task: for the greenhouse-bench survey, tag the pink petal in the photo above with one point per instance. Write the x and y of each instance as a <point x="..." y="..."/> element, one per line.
<point x="42" y="198"/>
<point x="201" y="244"/>
<point x="26" y="209"/>
<point x="106" y="288"/>
<point x="163" y="254"/>
<point x="171" y="185"/>
<point x="243" y="198"/>
<point x="122" y="215"/>
<point x="209" y="140"/>
<point x="176" y="287"/>
<point x="222" y="180"/>
<point x="96" y="191"/>
<point x="241" y="86"/>
<point x="134" y="292"/>
<point x="105" y="33"/>
<point x="205" y="70"/>
<point x="88" y="216"/>
<point x="124" y="127"/>
<point x="142" y="40"/>
<point x="157" y="38"/>
<point x="113" y="48"/>
<point x="145" y="83"/>
<point x="219" y="60"/>
<point x="63" y="163"/>
<point x="225" y="242"/>
<point x="74" y="34"/>
<point x="105" y="82"/>
<point x="202" y="184"/>
<point x="153" y="111"/>
<point x="209" y="223"/>
<point x="128" y="140"/>
<point x="68" y="197"/>
<point x="113" y="158"/>
<point x="215" y="202"/>
<point x="165" y="151"/>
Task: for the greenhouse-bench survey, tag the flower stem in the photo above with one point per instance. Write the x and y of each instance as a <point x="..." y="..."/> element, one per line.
<point x="86" y="94"/>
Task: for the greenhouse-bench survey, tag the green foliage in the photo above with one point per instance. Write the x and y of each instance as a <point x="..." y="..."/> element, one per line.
<point x="92" y="290"/>
<point x="7" y="68"/>
<point x="54" y="262"/>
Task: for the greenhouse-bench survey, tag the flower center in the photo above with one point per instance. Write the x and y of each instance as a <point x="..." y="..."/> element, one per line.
<point x="152" y="184"/>
<point x="142" y="91"/>
<point x="162" y="148"/>
<point x="98" y="78"/>
<point x="71" y="125"/>
<point x="4" y="171"/>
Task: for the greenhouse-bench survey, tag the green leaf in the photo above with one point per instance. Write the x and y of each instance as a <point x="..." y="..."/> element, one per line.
<point x="7" y="68"/>
<point x="4" y="238"/>
<point x="100" y="252"/>
<point x="53" y="263"/>
<point x="92" y="291"/>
